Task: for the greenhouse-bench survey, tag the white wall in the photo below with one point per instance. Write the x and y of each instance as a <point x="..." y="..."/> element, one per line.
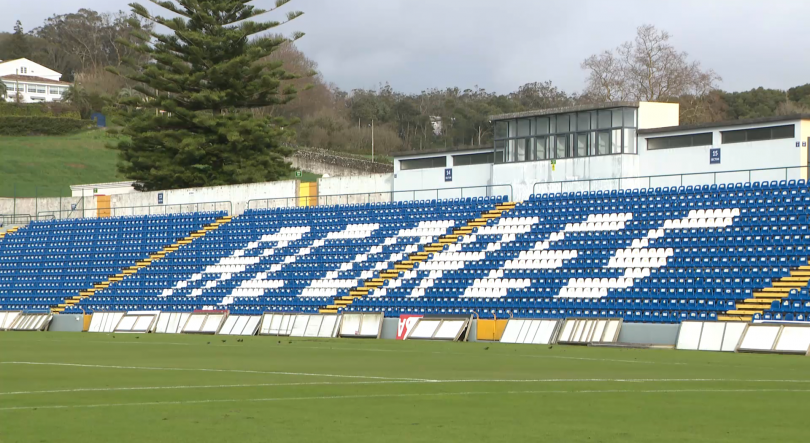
<point x="280" y="193"/>
<point x="49" y="207"/>
<point x="733" y="157"/>
<point x="474" y="178"/>
<point x="602" y="170"/>
<point x="364" y="189"/>
<point x="11" y="67"/>
<point x="658" y="115"/>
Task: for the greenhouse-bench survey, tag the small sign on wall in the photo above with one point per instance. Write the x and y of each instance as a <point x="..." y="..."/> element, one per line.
<point x="448" y="174"/>
<point x="714" y="156"/>
<point x="160" y="198"/>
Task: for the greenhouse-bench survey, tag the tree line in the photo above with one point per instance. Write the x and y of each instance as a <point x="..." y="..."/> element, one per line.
<point x="647" y="68"/>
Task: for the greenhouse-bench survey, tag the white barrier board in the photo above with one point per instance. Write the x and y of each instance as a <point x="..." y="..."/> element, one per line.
<point x="31" y="322"/>
<point x="7" y="319"/>
<point x="137" y="322"/>
<point x="759" y="338"/>
<point x="531" y="331"/>
<point x="793" y="339"/>
<point x="240" y="325"/>
<point x="438" y="328"/>
<point x="171" y="322"/>
<point x="367" y="325"/>
<point x="204" y="322"/>
<point x="709" y="336"/>
<point x="584" y="331"/>
<point x="105" y="321"/>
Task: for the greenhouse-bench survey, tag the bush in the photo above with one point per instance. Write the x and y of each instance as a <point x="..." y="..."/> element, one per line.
<point x="13" y="125"/>
<point x="51" y="109"/>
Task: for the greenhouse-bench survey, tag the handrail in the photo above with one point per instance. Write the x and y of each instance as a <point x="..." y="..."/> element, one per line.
<point x="148" y="209"/>
<point x="325" y="200"/>
<point x="15" y="219"/>
<point x="649" y="178"/>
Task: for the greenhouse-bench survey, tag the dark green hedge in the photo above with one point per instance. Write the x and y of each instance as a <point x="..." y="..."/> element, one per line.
<point x="51" y="109"/>
<point x="41" y="125"/>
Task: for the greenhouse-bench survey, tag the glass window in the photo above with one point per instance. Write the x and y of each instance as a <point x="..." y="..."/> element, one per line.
<point x="616" y="141"/>
<point x="582" y="145"/>
<point x="542" y="126"/>
<point x="759" y="134"/>
<point x="423" y="163"/>
<point x="524" y="127"/>
<point x="630" y="141"/>
<point x="552" y="125"/>
<point x="630" y="118"/>
<point x="512" y="128"/>
<point x="541" y="147"/>
<point x="563" y="123"/>
<point x="572" y="145"/>
<point x="788" y="131"/>
<point x="562" y="147"/>
<point x="473" y="159"/>
<point x="603" y="142"/>
<point x="501" y="129"/>
<point x="680" y="141"/>
<point x="617" y="118"/>
<point x="583" y="121"/>
<point x="500" y="147"/>
<point x="604" y="119"/>
<point x="521" y="146"/>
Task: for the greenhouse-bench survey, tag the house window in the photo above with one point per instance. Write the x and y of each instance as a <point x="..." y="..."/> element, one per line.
<point x="23" y="70"/>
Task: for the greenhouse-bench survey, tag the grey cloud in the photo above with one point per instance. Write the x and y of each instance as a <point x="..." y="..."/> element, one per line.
<point x="502" y="44"/>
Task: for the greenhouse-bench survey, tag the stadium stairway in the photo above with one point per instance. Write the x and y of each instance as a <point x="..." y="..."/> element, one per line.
<point x="405" y="265"/>
<point x="763" y="300"/>
<point x="146" y="262"/>
<point x="10" y="231"/>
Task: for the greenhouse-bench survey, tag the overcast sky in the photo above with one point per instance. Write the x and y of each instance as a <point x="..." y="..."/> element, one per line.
<point x="502" y="44"/>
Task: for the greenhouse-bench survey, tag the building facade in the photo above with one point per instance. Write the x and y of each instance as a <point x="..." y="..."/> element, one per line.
<point x="29" y="82"/>
<point x="610" y="146"/>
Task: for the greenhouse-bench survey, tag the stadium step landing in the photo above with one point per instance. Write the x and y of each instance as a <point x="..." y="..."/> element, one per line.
<point x="779" y="290"/>
<point x="10" y="231"/>
<point x="416" y="257"/>
<point x="98" y="287"/>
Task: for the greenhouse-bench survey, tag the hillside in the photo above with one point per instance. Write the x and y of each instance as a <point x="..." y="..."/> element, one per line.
<point x="47" y="166"/>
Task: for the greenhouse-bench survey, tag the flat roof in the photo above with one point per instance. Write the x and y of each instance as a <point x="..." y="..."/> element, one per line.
<point x="741" y="122"/>
<point x="124" y="184"/>
<point x="563" y="110"/>
<point x="458" y="150"/>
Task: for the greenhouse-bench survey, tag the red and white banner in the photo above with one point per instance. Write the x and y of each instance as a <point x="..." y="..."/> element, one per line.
<point x="406" y="322"/>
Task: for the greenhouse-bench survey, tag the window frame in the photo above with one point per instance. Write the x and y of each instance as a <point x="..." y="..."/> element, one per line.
<point x="726" y="135"/>
<point x="432" y="159"/>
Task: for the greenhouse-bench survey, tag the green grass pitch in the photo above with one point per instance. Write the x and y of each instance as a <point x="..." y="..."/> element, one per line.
<point x="70" y="387"/>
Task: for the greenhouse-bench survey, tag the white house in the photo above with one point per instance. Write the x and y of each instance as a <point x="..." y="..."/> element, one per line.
<point x="34" y="82"/>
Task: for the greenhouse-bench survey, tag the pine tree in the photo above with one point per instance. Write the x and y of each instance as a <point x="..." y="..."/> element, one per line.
<point x="191" y="124"/>
<point x="19" y="43"/>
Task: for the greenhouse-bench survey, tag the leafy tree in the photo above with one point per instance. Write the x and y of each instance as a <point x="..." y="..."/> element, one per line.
<point x="3" y="91"/>
<point x="191" y="124"/>
<point x="77" y="96"/>
<point x="19" y="43"/>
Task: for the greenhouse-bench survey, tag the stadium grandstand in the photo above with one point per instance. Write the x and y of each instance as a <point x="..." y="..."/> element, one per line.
<point x="588" y="218"/>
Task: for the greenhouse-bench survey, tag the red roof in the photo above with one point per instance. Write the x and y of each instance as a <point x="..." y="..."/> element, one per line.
<point x="32" y="79"/>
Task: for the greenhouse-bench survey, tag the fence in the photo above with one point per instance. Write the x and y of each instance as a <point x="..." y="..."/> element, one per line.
<point x="689" y="179"/>
<point x="381" y="197"/>
<point x="118" y="211"/>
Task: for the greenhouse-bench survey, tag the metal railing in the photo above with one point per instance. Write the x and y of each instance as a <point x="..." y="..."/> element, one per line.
<point x="15" y="219"/>
<point x="119" y="211"/>
<point x="688" y="179"/>
<point x="379" y="197"/>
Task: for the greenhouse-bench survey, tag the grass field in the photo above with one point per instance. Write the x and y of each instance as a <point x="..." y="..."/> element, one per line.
<point x="47" y="166"/>
<point x="69" y="387"/>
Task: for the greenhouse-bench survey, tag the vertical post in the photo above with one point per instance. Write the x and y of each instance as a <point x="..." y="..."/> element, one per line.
<point x="372" y="140"/>
<point x="14" y="200"/>
<point x="82" y="202"/>
<point x="36" y="201"/>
